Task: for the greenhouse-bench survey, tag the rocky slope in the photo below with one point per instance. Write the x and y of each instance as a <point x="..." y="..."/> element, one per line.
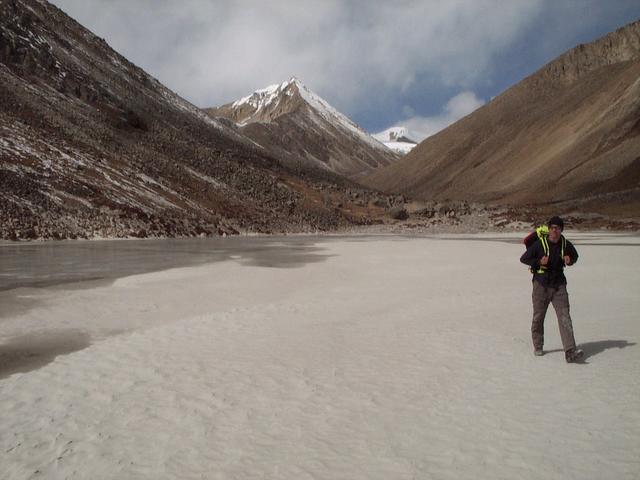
<point x="567" y="136"/>
<point x="304" y="131"/>
<point x="92" y="146"/>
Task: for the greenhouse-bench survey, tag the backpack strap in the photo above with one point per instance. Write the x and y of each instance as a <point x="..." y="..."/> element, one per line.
<point x="545" y="248"/>
<point x="543" y="233"/>
<point x="545" y="245"/>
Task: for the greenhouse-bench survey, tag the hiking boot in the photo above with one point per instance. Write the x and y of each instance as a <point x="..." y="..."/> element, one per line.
<point x="538" y="352"/>
<point x="573" y="355"/>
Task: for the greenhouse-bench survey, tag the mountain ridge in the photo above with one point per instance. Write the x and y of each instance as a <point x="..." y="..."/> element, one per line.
<point x="568" y="131"/>
<point x="93" y="146"/>
<point x="305" y="130"/>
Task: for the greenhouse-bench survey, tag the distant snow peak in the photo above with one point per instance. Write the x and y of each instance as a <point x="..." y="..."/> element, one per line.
<point x="397" y="139"/>
<point x="395" y="134"/>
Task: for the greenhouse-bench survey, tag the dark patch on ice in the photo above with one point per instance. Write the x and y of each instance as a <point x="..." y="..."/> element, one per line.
<point x="285" y="255"/>
<point x="39" y="265"/>
<point x="29" y="352"/>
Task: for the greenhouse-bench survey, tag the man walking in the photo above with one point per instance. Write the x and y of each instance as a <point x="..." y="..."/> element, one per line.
<point x="547" y="258"/>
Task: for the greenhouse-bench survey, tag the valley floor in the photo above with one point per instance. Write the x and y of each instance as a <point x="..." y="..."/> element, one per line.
<point x="382" y="357"/>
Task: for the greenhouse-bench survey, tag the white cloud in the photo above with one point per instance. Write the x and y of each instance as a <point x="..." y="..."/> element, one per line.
<point x="213" y="52"/>
<point x="355" y="53"/>
<point x="456" y="108"/>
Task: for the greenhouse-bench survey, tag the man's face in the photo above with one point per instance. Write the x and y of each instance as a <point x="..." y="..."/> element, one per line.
<point x="554" y="233"/>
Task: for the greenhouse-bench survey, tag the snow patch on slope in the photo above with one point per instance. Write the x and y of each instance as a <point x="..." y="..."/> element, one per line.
<point x="264" y="97"/>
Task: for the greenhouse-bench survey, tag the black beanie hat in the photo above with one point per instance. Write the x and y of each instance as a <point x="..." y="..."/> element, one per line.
<point x="555" y="220"/>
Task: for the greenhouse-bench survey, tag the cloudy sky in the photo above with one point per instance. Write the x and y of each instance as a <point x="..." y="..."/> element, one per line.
<point x="421" y="64"/>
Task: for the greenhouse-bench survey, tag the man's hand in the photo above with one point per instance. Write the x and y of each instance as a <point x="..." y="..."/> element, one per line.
<point x="544" y="260"/>
<point x="567" y="260"/>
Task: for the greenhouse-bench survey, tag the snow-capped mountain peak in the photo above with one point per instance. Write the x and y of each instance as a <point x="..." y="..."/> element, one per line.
<point x="267" y="104"/>
<point x="394" y="134"/>
<point x="265" y="96"/>
<point x="298" y="121"/>
<point x="397" y="139"/>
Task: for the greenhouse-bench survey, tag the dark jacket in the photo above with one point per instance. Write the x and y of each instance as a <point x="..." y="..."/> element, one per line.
<point x="553" y="276"/>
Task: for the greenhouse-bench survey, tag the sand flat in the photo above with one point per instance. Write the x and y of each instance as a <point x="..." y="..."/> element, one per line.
<point x="390" y="357"/>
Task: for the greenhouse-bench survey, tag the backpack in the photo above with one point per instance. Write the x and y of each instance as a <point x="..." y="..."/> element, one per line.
<point x="541" y="233"/>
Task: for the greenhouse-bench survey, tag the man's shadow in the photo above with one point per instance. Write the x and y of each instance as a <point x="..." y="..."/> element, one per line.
<point x="592" y="349"/>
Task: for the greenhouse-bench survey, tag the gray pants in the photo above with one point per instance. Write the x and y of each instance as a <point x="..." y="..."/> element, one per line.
<point x="559" y="297"/>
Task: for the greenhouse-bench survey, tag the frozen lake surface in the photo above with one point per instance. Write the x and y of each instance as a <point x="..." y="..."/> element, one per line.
<point x="35" y="264"/>
<point x="44" y="264"/>
<point x="314" y="357"/>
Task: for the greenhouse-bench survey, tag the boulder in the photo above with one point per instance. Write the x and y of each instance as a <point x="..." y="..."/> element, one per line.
<point x="398" y="213"/>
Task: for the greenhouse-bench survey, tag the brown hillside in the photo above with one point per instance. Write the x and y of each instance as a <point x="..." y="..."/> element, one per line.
<point x="93" y="146"/>
<point x="569" y="132"/>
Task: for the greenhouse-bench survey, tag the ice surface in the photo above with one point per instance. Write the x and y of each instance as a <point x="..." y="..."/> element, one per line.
<point x="383" y="357"/>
